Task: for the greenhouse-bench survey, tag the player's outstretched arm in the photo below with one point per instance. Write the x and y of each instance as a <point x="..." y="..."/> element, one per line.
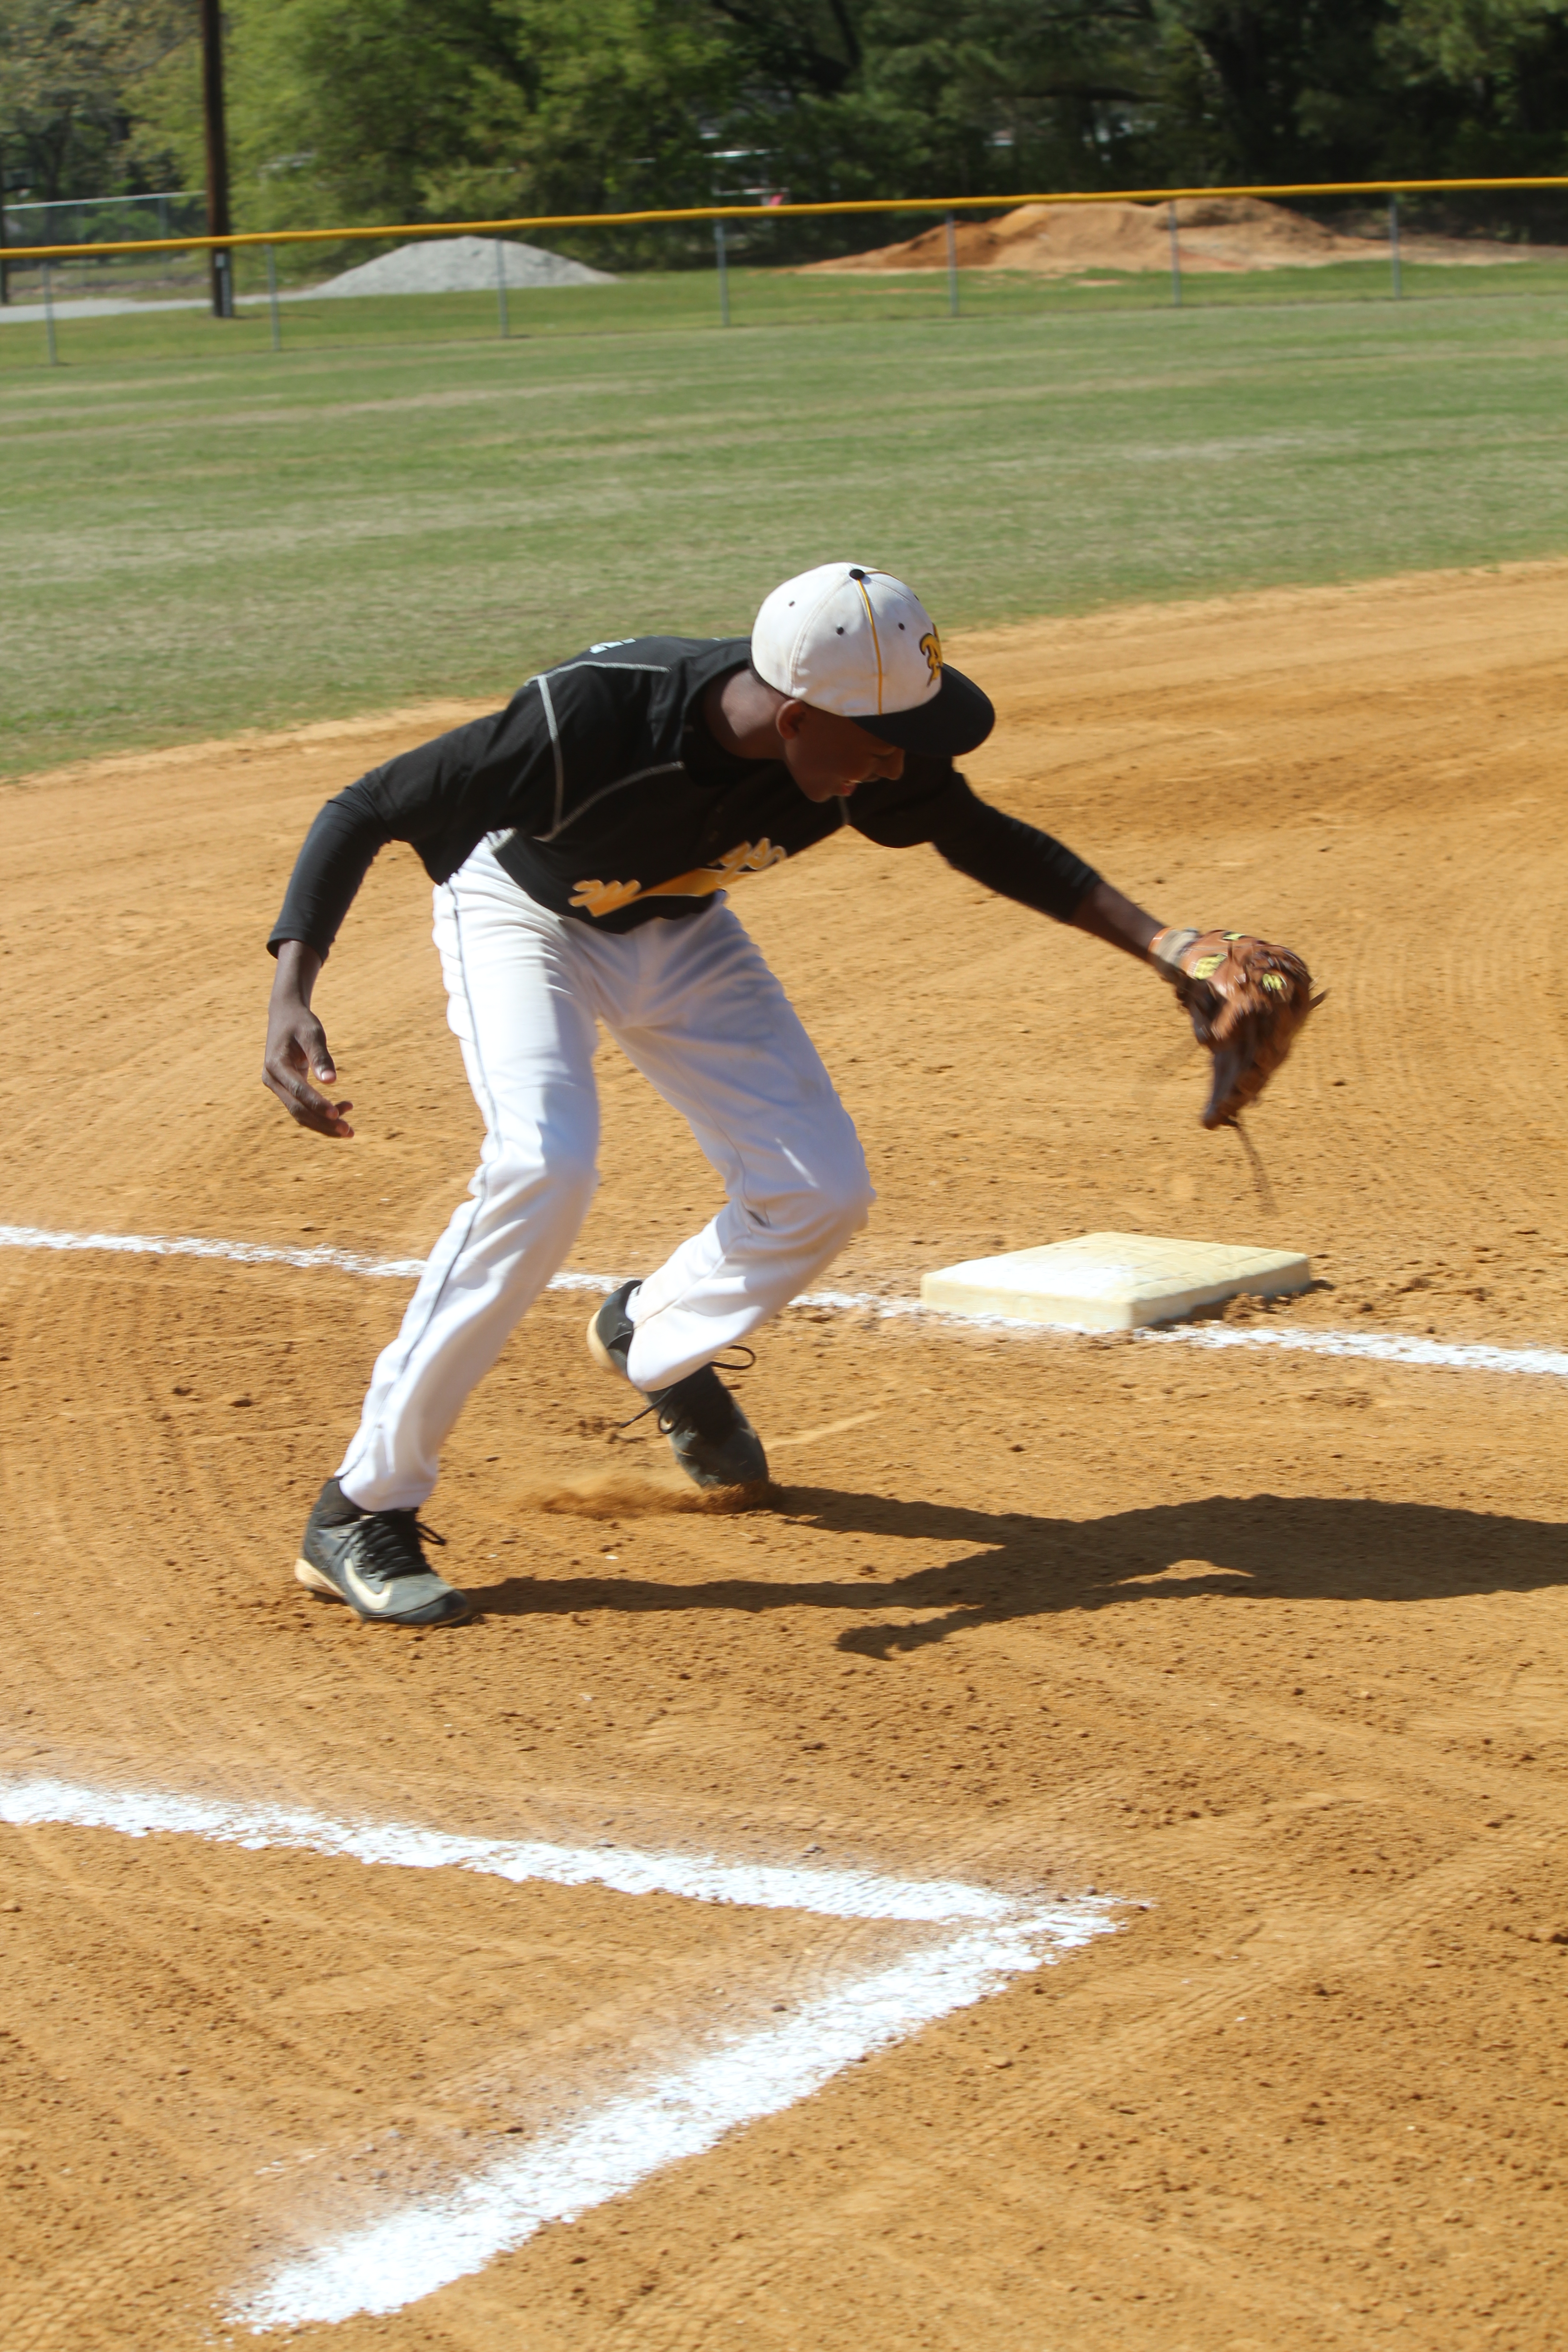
<point x="1106" y="915"/>
<point x="297" y="1049"/>
<point x="1245" y="999"/>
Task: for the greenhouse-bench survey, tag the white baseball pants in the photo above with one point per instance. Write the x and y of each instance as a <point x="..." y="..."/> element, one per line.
<point x="697" y="1010"/>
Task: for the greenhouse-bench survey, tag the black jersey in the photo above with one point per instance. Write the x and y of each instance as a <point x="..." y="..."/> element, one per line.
<point x="605" y="796"/>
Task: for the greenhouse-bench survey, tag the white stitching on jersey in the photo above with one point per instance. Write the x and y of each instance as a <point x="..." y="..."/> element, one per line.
<point x="665" y="768"/>
<point x="543" y="685"/>
<point x="655" y="669"/>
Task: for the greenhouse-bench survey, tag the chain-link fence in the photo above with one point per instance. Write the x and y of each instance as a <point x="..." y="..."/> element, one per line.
<point x="110" y="227"/>
<point x="72" y="268"/>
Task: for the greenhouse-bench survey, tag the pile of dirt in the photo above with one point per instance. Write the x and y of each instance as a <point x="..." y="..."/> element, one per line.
<point x="462" y="264"/>
<point x="1215" y="234"/>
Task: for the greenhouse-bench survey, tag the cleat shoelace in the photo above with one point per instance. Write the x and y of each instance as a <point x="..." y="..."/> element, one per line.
<point x="392" y="1542"/>
<point x="699" y="1401"/>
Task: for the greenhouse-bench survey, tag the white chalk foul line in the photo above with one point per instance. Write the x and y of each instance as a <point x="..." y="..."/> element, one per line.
<point x="1443" y="1355"/>
<point x="835" y="1894"/>
<point x="684" y="2113"/>
<point x="415" y="2248"/>
<point x="38" y="1237"/>
<point x="1446" y="1355"/>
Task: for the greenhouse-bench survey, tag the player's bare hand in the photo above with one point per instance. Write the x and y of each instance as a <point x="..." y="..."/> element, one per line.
<point x="297" y="1049"/>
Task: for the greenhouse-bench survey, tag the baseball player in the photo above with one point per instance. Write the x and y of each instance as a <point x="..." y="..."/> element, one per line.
<point x="581" y="843"/>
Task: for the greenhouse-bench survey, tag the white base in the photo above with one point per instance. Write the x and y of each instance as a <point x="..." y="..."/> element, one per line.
<point x="1113" y="1282"/>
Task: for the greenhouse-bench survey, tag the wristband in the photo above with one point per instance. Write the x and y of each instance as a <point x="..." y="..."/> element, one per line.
<point x="1166" y="950"/>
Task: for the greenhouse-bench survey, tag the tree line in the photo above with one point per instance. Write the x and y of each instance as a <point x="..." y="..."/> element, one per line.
<point x="409" y="110"/>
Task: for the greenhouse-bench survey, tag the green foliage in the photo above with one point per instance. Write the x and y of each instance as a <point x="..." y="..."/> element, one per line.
<point x="1484" y="84"/>
<point x="962" y="97"/>
<point x="386" y="110"/>
<point x="619" y="117"/>
<point x="71" y="73"/>
<point x="360" y="110"/>
<point x="1275" y="89"/>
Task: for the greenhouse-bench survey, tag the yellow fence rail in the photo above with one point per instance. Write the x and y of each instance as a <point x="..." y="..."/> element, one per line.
<point x="754" y="212"/>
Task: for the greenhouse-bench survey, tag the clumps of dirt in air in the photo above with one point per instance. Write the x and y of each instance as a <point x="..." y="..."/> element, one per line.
<point x="614" y="1495"/>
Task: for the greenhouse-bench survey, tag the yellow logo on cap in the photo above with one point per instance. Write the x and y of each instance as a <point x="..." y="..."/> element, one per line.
<point x="931" y="646"/>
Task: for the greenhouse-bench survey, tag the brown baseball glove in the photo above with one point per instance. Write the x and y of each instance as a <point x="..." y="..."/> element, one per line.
<point x="1247" y="1001"/>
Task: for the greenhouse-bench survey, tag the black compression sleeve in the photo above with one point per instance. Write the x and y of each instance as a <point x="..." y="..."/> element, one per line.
<point x="443" y="796"/>
<point x="332" y="863"/>
<point x="1016" y="860"/>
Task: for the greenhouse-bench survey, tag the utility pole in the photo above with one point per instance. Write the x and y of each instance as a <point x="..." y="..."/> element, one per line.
<point x="218" y="221"/>
<point x="4" y="267"/>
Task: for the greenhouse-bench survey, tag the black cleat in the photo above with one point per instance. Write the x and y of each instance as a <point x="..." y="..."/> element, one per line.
<point x="375" y="1561"/>
<point x="708" y="1435"/>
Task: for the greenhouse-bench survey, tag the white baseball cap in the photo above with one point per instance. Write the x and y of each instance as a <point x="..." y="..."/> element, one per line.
<point x="848" y="638"/>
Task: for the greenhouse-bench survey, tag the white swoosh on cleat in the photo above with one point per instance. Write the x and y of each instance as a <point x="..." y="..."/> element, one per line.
<point x="364" y="1594"/>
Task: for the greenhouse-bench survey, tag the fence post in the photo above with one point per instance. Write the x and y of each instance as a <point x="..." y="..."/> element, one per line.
<point x="500" y="288"/>
<point x="272" y="299"/>
<point x="952" y="268"/>
<point x="1393" y="242"/>
<point x="723" y="273"/>
<point x="49" y="314"/>
<point x="220" y="264"/>
<point x="1175" y="257"/>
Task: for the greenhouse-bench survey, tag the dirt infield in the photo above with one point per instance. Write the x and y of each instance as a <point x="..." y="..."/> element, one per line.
<point x="1271" y="1651"/>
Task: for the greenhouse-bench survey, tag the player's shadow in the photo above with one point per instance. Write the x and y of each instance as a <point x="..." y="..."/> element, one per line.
<point x="1006" y="1565"/>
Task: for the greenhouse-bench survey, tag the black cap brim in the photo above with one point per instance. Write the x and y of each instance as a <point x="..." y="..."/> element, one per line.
<point x="956" y="719"/>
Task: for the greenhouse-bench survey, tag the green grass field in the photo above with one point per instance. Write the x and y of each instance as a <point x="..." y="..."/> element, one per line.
<point x="199" y="535"/>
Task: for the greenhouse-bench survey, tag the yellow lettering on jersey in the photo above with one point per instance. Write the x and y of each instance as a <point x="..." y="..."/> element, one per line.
<point x="752" y="857"/>
<point x="604" y="898"/>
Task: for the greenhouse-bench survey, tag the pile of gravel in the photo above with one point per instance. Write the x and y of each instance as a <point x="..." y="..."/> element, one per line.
<point x="460" y="264"/>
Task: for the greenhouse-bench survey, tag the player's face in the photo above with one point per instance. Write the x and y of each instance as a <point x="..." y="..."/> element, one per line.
<point x="829" y="756"/>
